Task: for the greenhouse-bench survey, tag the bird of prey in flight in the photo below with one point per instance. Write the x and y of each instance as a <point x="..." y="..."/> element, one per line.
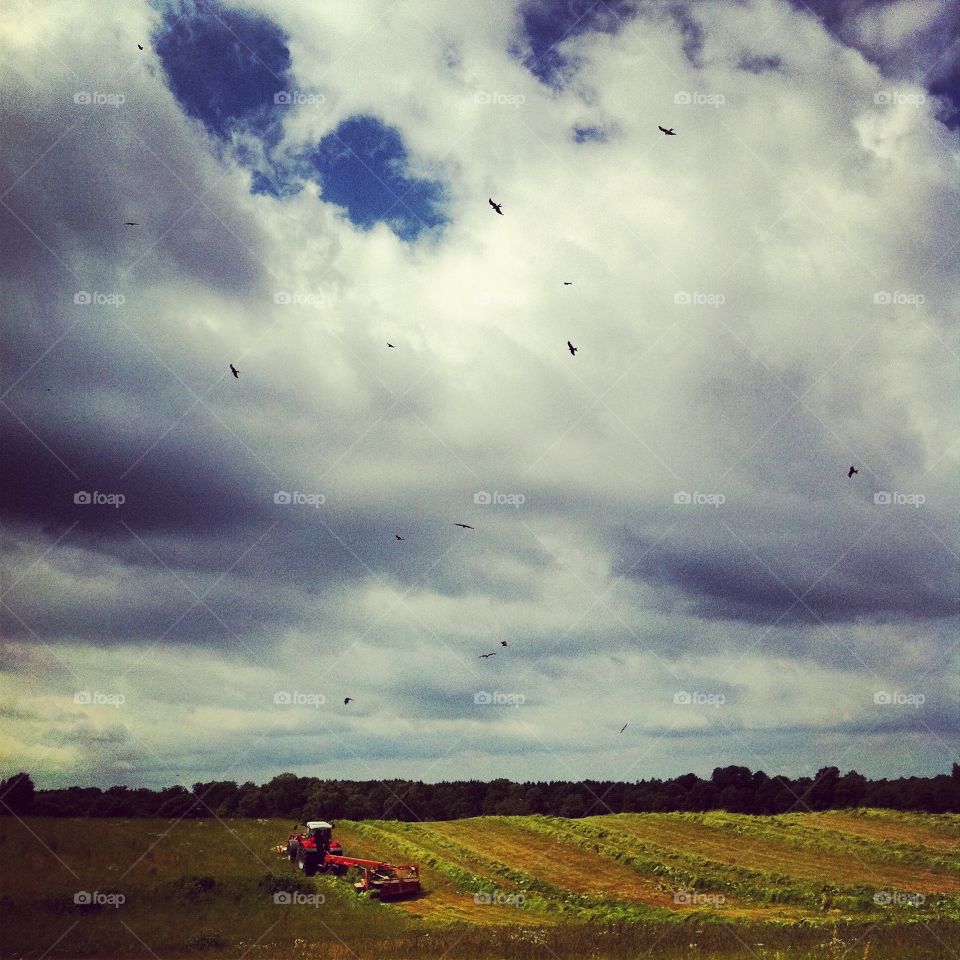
<point x="568" y="283"/>
<point x="389" y="344"/>
<point x="483" y="656"/>
<point x="665" y="131"/>
<point x="496" y="206"/>
<point x="851" y="472"/>
<point x="503" y="643"/>
<point x="572" y="349"/>
<point x="235" y="372"/>
<point x="131" y="223"/>
<point x="466" y="526"/>
<point x="397" y="535"/>
<point x="139" y="46"/>
<point x="347" y="700"/>
<point x="624" y="727"/>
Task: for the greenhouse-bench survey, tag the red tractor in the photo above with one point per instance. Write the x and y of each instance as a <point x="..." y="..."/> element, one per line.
<point x="309" y="850"/>
<point x="317" y="850"/>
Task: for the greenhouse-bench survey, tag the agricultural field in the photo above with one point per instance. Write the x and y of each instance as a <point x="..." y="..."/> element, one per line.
<point x="841" y="885"/>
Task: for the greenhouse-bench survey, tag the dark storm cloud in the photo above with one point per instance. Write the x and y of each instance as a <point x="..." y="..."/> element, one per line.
<point x="63" y="223"/>
<point x="726" y="569"/>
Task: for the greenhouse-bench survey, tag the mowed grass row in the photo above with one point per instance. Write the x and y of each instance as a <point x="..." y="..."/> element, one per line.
<point x="847" y="835"/>
<point x="888" y="827"/>
<point x="791" y="849"/>
<point x="520" y="874"/>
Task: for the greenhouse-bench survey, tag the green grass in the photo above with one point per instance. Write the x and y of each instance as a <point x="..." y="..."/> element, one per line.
<point x="796" y="887"/>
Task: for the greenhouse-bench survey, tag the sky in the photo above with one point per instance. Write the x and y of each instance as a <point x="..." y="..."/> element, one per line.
<point x="198" y="568"/>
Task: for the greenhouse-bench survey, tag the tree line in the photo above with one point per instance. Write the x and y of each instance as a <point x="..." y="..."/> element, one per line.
<point x="734" y="789"/>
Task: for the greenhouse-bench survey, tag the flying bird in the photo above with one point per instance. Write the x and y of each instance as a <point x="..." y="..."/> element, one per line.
<point x="503" y="643"/>
<point x="389" y="344"/>
<point x="496" y="206"/>
<point x="139" y="46"/>
<point x="235" y="372"/>
<point x="483" y="656"/>
<point x="466" y="526"/>
<point x="665" y="131"/>
<point x="347" y="700"/>
<point x="131" y="223"/>
<point x="624" y="727"/>
<point x="397" y="535"/>
<point x="568" y="283"/>
<point x="851" y="472"/>
<point x="572" y="349"/>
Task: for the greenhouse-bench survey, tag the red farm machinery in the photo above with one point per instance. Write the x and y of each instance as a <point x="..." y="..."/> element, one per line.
<point x="316" y="850"/>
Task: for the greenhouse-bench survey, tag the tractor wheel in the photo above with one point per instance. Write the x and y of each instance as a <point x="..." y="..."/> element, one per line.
<point x="292" y="854"/>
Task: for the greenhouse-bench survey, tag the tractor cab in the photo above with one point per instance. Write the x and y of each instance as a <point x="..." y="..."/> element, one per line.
<point x="320" y="832"/>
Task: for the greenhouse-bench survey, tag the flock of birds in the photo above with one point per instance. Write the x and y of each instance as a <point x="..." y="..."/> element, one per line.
<point x="498" y="208"/>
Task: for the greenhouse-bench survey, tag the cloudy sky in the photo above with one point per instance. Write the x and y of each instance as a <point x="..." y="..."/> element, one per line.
<point x="198" y="569"/>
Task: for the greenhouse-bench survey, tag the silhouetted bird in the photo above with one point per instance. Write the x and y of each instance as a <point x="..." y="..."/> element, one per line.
<point x="503" y="643"/>
<point x="664" y="130"/>
<point x="466" y="526"/>
<point x="568" y="283"/>
<point x="497" y="206"/>
<point x="131" y="223"/>
<point x="235" y="372"/>
<point x="397" y="535"/>
<point x="139" y="46"/>
<point x="572" y="349"/>
<point x="389" y="344"/>
<point x="347" y="700"/>
<point x="624" y="727"/>
<point x="483" y="656"/>
<point x="851" y="472"/>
